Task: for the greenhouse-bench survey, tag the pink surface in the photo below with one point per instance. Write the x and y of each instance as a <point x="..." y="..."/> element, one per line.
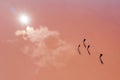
<point x="97" y="21"/>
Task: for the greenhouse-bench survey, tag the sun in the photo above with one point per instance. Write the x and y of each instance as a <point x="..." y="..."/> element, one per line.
<point x="24" y="19"/>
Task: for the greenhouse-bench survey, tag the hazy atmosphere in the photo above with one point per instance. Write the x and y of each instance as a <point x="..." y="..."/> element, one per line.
<point x="59" y="40"/>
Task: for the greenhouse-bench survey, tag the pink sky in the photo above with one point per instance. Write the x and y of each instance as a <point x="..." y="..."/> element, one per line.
<point x="48" y="50"/>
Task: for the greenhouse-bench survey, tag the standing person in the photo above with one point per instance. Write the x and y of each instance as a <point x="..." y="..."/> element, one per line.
<point x="88" y="49"/>
<point x="101" y="58"/>
<point x="84" y="43"/>
<point x="79" y="49"/>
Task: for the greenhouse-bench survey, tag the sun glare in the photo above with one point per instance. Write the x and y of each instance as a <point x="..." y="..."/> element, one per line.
<point x="24" y="19"/>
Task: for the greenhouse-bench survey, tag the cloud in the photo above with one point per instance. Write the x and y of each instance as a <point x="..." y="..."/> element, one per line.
<point x="47" y="47"/>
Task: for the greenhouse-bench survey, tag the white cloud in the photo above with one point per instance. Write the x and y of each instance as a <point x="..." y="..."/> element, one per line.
<point x="48" y="48"/>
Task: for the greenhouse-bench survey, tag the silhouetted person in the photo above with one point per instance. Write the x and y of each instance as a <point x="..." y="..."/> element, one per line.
<point x="88" y="49"/>
<point x="79" y="49"/>
<point x="101" y="59"/>
<point x="84" y="43"/>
